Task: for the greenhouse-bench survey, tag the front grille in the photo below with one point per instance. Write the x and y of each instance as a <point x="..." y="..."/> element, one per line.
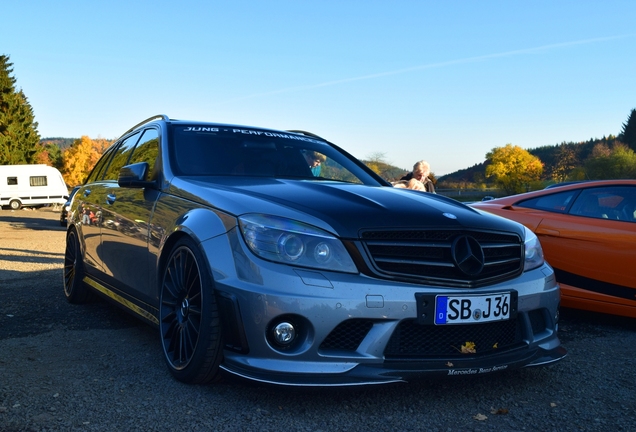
<point x="416" y="341"/>
<point x="347" y="335"/>
<point x="426" y="256"/>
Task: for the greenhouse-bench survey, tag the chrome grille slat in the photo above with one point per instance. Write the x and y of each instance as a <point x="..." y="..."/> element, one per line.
<point x="414" y="244"/>
<point x="425" y="256"/>
<point x="421" y="262"/>
<point x="501" y="245"/>
<point x="508" y="261"/>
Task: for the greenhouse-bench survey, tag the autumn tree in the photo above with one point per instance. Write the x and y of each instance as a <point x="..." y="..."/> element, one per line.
<point x="375" y="161"/>
<point x="99" y="146"/>
<point x="601" y="150"/>
<point x="78" y="160"/>
<point x="513" y="168"/>
<point x="50" y="154"/>
<point x="566" y="161"/>
<point x="628" y="134"/>
<point x="604" y="163"/>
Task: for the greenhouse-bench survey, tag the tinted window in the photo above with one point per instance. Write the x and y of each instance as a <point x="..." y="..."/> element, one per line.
<point x="147" y="150"/>
<point x="557" y="202"/>
<point x="96" y="173"/>
<point x="121" y="157"/>
<point x="12" y="181"/>
<point x="615" y="203"/>
<point x="209" y="151"/>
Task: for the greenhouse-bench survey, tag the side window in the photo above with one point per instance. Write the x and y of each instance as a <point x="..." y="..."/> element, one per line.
<point x="38" y="181"/>
<point x="614" y="203"/>
<point x="147" y="151"/>
<point x="334" y="171"/>
<point x="121" y="157"/>
<point x="12" y="181"/>
<point x="98" y="169"/>
<point x="557" y="202"/>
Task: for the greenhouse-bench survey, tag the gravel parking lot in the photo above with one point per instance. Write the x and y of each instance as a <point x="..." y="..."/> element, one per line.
<point x="94" y="368"/>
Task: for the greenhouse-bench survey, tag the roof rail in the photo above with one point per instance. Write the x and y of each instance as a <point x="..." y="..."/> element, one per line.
<point x="158" y="116"/>
<point x="307" y="133"/>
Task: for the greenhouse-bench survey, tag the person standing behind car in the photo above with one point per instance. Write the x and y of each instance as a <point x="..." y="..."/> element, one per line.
<point x="418" y="178"/>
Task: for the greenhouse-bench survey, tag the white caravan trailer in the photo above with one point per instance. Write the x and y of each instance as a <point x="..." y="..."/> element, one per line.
<point x="31" y="186"/>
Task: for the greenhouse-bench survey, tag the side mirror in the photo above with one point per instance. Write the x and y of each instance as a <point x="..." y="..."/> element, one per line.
<point x="134" y="176"/>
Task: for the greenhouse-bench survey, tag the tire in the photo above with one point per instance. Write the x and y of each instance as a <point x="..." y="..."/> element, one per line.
<point x="189" y="322"/>
<point x="75" y="290"/>
<point x="15" y="205"/>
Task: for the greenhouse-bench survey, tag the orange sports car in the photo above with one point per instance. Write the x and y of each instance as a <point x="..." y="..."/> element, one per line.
<point x="588" y="234"/>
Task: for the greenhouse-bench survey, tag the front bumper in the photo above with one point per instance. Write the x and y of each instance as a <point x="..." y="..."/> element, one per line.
<point x="348" y="325"/>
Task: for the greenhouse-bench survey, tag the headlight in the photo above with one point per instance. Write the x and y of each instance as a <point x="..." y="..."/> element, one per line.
<point x="534" y="252"/>
<point x="291" y="242"/>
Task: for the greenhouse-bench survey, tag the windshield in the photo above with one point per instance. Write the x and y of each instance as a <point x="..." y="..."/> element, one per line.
<point x="231" y="151"/>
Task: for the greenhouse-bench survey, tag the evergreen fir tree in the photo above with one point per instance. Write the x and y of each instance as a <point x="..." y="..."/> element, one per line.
<point x="19" y="138"/>
<point x="628" y="134"/>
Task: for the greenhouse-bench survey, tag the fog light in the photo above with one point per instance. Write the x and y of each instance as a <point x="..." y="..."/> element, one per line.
<point x="284" y="333"/>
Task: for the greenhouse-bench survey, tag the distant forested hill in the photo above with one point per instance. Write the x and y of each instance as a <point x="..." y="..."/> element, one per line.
<point x="62" y="143"/>
<point x="549" y="155"/>
<point x="474" y="176"/>
<point x="386" y="171"/>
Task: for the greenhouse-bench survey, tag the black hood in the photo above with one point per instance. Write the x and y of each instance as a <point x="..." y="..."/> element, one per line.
<point x="347" y="208"/>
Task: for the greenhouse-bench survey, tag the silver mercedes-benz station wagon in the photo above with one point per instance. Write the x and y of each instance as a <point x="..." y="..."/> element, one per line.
<point x="278" y="257"/>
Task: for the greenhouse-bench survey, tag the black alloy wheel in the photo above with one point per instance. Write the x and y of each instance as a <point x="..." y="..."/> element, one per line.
<point x="74" y="288"/>
<point x="189" y="320"/>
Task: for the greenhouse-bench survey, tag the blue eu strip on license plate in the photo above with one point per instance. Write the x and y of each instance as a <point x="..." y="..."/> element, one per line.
<point x="472" y="309"/>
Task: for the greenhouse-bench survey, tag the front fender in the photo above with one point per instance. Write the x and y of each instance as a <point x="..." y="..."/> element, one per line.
<point x="174" y="217"/>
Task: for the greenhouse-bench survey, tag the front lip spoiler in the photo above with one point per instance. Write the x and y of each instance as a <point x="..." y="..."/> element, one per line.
<point x="303" y="380"/>
<point x="391" y="372"/>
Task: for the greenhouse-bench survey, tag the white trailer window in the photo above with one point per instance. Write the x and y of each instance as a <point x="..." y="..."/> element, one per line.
<point x="38" y="181"/>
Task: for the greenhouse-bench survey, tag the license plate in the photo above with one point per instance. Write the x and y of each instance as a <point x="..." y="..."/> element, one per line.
<point x="472" y="309"/>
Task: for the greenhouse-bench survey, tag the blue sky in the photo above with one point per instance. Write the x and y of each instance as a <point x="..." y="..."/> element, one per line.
<point x="442" y="81"/>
